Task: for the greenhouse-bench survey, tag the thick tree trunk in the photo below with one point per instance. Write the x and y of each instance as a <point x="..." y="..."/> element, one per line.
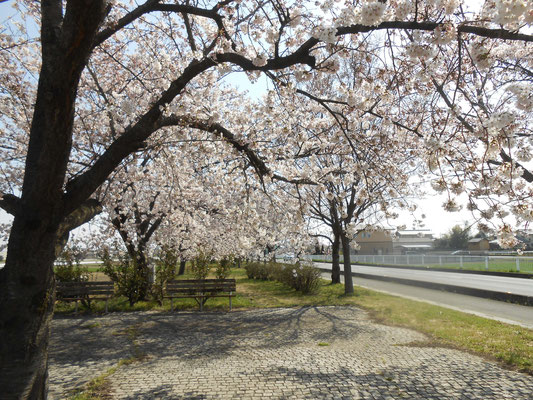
<point x="26" y="307"/>
<point x="27" y="280"/>
<point x="348" y="281"/>
<point x="335" y="261"/>
<point x="181" y="271"/>
<point x="144" y="272"/>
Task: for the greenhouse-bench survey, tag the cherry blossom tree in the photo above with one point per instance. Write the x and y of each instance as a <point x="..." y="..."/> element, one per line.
<point x="51" y="179"/>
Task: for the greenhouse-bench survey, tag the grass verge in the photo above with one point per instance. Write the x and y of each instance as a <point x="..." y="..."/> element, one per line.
<point x="504" y="266"/>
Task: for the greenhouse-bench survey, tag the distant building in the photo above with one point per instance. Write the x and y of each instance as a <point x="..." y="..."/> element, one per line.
<point x="390" y="242"/>
<point x="478" y="245"/>
<point x="526" y="237"/>
<point x="375" y="242"/>
<point x="413" y="241"/>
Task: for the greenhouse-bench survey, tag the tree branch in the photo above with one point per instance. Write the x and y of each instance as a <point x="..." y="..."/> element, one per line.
<point x="259" y="165"/>
<point x="10" y="203"/>
<point x="430" y="26"/>
<point x="81" y="215"/>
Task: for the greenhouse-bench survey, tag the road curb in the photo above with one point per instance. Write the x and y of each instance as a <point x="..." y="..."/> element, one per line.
<point x="488" y="294"/>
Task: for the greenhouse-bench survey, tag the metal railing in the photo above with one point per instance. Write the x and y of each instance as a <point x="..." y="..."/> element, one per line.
<point x="482" y="262"/>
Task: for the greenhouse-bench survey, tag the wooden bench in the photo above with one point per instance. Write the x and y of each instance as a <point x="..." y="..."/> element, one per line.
<point x="200" y="290"/>
<point x="85" y="291"/>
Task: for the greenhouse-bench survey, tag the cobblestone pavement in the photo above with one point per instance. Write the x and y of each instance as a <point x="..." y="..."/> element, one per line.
<point x="304" y="353"/>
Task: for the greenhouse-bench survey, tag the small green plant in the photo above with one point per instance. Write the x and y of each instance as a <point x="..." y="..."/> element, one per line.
<point x="305" y="278"/>
<point x="200" y="265"/>
<point x="68" y="267"/>
<point x="165" y="271"/>
<point x="128" y="278"/>
<point x="223" y="267"/>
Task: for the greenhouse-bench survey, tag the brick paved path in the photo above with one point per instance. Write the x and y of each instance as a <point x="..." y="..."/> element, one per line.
<point x="269" y="354"/>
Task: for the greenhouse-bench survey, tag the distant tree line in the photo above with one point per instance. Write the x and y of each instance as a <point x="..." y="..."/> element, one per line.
<point x="456" y="239"/>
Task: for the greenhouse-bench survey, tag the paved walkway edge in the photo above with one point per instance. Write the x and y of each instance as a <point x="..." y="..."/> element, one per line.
<point x="487" y="294"/>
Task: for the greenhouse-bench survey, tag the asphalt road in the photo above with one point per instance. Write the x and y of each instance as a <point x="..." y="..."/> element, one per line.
<point x="486" y="282"/>
<point x="493" y="309"/>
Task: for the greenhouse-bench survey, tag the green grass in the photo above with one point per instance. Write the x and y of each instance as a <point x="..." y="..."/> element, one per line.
<point x="512" y="345"/>
<point x="500" y="266"/>
<point x="479" y="266"/>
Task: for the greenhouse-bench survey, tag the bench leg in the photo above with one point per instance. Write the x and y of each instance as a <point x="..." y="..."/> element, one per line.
<point x="171" y="304"/>
<point x="76" y="306"/>
<point x="201" y="304"/>
<point x="106" y="306"/>
<point x="230" y="301"/>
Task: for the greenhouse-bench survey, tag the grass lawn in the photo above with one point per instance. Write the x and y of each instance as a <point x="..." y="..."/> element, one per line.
<point x="495" y="266"/>
<point x="512" y="345"/>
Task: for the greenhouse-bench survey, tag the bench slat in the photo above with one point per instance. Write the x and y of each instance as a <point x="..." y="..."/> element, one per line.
<point x="200" y="289"/>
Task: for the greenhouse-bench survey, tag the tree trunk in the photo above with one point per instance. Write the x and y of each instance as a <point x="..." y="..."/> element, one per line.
<point x="181" y="271"/>
<point x="335" y="261"/>
<point x="27" y="285"/>
<point x="27" y="294"/>
<point x="348" y="281"/>
<point x="141" y="262"/>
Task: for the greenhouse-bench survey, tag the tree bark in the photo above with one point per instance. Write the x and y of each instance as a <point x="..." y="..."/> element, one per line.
<point x="27" y="282"/>
<point x="181" y="271"/>
<point x="335" y="260"/>
<point x="27" y="294"/>
<point x="348" y="281"/>
<point x="144" y="271"/>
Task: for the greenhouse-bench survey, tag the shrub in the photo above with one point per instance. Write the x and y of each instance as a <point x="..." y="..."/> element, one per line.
<point x="223" y="267"/>
<point x="68" y="267"/>
<point x="305" y="278"/>
<point x="283" y="273"/>
<point x="259" y="270"/>
<point x="302" y="277"/>
<point x="200" y="265"/>
<point x="165" y="271"/>
<point x="250" y="270"/>
<point x="128" y="278"/>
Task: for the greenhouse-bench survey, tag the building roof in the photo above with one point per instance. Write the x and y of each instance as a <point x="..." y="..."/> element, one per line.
<point x="418" y="232"/>
<point x="477" y="240"/>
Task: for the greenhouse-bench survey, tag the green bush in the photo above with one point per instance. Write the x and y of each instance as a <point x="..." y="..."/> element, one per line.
<point x="283" y="273"/>
<point x="303" y="277"/>
<point x="200" y="265"/>
<point x="259" y="270"/>
<point x="223" y="267"/>
<point x="165" y="271"/>
<point x="250" y="269"/>
<point x="69" y="269"/>
<point x="128" y="278"/>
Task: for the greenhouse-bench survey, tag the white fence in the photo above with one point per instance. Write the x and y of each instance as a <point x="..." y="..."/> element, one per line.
<point x="488" y="263"/>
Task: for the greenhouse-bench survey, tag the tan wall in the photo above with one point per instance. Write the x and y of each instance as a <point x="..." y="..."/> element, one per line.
<point x="374" y="243"/>
<point x="479" y="246"/>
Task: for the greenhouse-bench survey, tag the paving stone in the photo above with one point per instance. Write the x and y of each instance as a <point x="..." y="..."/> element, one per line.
<point x="269" y="354"/>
